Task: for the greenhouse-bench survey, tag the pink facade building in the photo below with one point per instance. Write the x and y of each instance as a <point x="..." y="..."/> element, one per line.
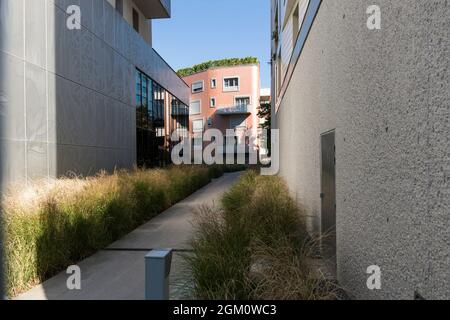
<point x="225" y="98"/>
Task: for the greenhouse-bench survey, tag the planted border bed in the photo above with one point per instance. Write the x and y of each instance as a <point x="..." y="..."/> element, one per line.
<point x="50" y="225"/>
<point x="255" y="246"/>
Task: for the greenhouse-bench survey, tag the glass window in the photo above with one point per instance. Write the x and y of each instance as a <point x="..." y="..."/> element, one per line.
<point x="158" y="102"/>
<point x="242" y="101"/>
<point x="197" y="87"/>
<point x="198" y="141"/>
<point x="144" y="122"/>
<point x="197" y="125"/>
<point x="119" y="7"/>
<point x="213" y="103"/>
<point x="178" y="108"/>
<point x="231" y="84"/>
<point x="152" y="130"/>
<point x="160" y="132"/>
<point x="135" y="20"/>
<point x="195" y="107"/>
<point x="213" y="83"/>
<point x="180" y="117"/>
<point x="150" y="98"/>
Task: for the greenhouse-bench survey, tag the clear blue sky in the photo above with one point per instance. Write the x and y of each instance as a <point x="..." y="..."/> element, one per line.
<point x="202" y="30"/>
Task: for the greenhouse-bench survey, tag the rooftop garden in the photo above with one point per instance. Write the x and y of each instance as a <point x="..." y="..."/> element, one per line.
<point x="216" y="63"/>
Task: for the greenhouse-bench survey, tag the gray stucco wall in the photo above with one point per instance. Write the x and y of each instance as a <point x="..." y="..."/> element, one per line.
<point x="386" y="93"/>
<point x="68" y="98"/>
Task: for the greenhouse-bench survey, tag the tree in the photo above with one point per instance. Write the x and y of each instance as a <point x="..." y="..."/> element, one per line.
<point x="265" y="112"/>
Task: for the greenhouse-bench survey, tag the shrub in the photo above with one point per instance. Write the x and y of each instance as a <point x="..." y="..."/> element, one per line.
<point x="284" y="274"/>
<point x="220" y="257"/>
<point x="52" y="224"/>
<point x="255" y="246"/>
<point x="216" y="171"/>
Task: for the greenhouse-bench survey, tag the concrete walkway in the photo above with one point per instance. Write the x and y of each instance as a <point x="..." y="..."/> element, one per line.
<point x="118" y="271"/>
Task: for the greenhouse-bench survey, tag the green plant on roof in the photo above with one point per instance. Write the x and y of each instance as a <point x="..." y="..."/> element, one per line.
<point x="216" y="63"/>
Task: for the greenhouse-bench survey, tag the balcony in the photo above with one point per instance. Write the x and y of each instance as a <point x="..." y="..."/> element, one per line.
<point x="154" y="9"/>
<point x="235" y="110"/>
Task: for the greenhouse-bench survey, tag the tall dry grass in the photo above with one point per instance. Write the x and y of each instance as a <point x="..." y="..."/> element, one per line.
<point x="255" y="246"/>
<point x="52" y="224"/>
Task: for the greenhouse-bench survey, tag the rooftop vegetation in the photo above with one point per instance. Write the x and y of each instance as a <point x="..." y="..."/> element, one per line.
<point x="216" y="63"/>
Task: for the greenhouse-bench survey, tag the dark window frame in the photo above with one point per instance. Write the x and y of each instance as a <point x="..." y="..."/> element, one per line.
<point x="136" y="21"/>
<point x="119" y="7"/>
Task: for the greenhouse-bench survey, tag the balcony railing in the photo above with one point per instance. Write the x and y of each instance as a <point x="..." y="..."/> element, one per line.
<point x="238" y="109"/>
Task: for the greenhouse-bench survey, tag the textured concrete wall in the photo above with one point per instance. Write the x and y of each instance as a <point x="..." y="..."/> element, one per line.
<point x="69" y="96"/>
<point x="386" y="93"/>
<point x="2" y="293"/>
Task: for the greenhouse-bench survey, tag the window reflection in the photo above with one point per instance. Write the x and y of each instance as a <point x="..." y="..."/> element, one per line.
<point x="179" y="119"/>
<point x="153" y="130"/>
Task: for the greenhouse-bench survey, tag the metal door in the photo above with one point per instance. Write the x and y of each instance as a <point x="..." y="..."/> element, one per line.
<point x="328" y="193"/>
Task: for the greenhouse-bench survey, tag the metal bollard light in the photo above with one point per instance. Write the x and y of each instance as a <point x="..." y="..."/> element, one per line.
<point x="157" y="270"/>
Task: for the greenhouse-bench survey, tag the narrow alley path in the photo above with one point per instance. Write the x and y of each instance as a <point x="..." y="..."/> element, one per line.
<point x="118" y="271"/>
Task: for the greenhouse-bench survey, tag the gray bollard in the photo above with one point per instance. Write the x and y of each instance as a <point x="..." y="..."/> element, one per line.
<point x="157" y="270"/>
